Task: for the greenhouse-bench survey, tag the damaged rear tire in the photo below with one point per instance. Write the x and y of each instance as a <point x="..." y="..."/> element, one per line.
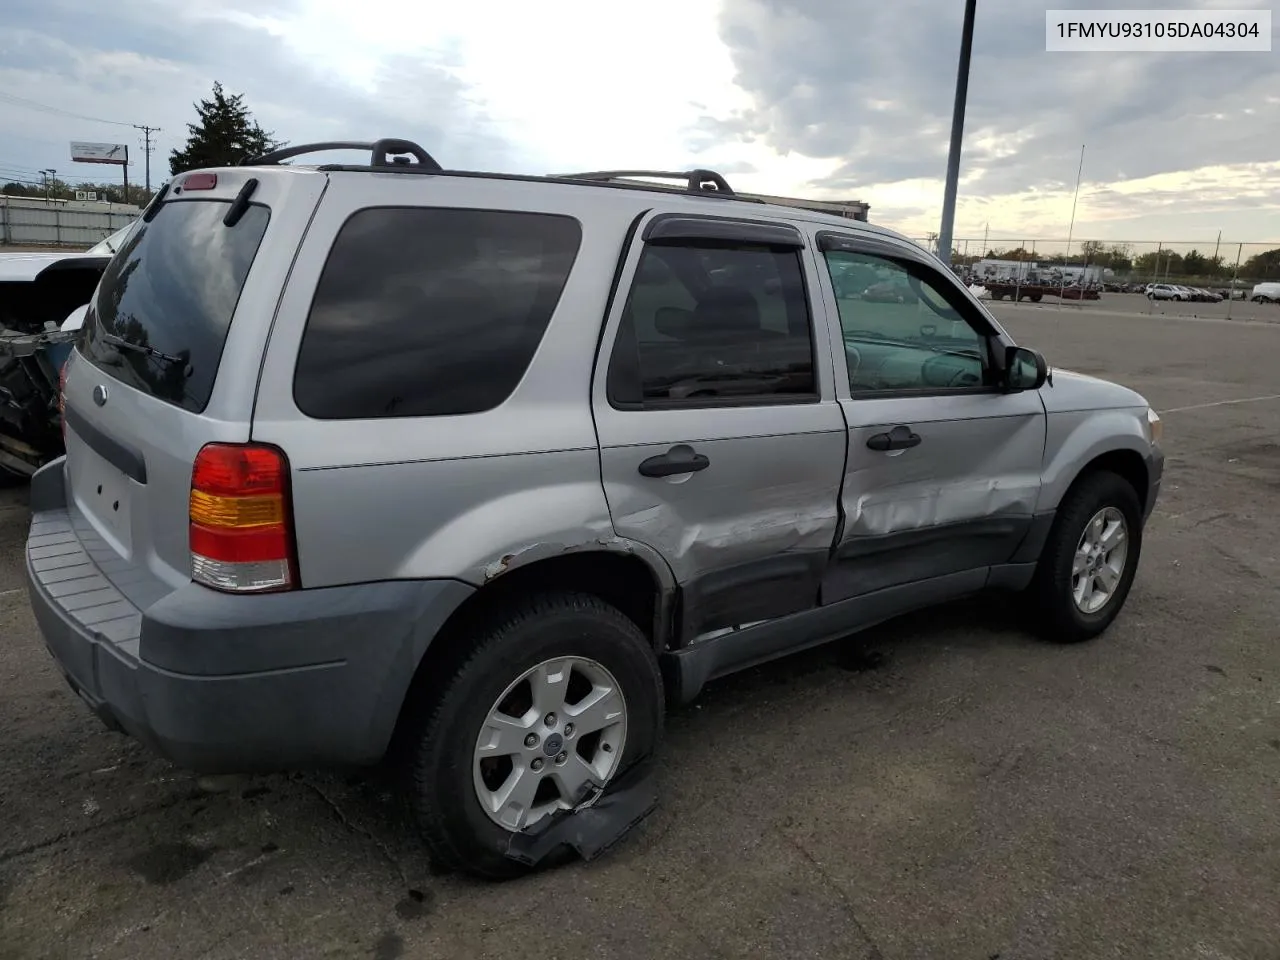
<point x="555" y="697"/>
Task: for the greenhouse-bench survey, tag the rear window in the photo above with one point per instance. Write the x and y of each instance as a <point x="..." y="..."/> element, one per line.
<point x="429" y="312"/>
<point x="161" y="315"/>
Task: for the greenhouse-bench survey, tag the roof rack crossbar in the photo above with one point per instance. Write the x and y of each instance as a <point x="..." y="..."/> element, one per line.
<point x="696" y="181"/>
<point x="387" y="152"/>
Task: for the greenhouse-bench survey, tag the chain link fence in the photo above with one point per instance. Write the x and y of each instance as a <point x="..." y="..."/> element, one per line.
<point x="1216" y="264"/>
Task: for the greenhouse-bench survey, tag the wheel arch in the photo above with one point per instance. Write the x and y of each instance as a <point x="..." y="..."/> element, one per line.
<point x="1128" y="464"/>
<point x="622" y="573"/>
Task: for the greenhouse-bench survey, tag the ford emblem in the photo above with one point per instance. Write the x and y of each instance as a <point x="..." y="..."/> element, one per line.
<point x="100" y="394"/>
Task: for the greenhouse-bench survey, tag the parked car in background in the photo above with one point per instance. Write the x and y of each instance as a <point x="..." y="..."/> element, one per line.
<point x="1165" y="291"/>
<point x="641" y="445"/>
<point x="1268" y="292"/>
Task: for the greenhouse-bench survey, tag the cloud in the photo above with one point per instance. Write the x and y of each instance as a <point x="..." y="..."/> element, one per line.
<point x="135" y="62"/>
<point x="834" y="99"/>
<point x="870" y="87"/>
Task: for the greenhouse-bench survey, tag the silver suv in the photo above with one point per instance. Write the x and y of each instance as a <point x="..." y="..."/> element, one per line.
<point x="492" y="462"/>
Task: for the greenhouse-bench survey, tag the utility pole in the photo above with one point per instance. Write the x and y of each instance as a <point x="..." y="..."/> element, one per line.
<point x="957" y="135"/>
<point x="147" y="148"/>
<point x="1072" y="228"/>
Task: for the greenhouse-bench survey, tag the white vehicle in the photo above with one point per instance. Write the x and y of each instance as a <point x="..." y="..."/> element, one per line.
<point x="1266" y="293"/>
<point x="1166" y="291"/>
<point x="37" y="289"/>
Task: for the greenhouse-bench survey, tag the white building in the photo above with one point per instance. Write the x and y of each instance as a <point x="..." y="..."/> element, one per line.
<point x="1090" y="274"/>
<point x="1006" y="269"/>
<point x="1032" y="271"/>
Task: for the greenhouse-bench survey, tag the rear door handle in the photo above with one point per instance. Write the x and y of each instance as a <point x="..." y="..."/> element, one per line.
<point x="681" y="458"/>
<point x="899" y="438"/>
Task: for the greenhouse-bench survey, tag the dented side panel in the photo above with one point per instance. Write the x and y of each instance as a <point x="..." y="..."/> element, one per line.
<point x="962" y="499"/>
<point x="748" y="537"/>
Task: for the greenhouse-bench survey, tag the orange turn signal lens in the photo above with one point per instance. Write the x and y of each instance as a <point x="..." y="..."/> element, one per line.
<point x="211" y="510"/>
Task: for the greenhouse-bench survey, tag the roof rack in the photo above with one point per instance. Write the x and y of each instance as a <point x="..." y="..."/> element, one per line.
<point x="696" y="181"/>
<point x="387" y="152"/>
<point x="394" y="156"/>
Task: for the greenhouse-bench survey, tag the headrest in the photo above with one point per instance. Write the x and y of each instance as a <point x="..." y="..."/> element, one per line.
<point x="726" y="310"/>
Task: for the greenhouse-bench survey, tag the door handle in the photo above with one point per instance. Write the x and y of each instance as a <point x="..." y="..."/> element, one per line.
<point x="899" y="438"/>
<point x="681" y="458"/>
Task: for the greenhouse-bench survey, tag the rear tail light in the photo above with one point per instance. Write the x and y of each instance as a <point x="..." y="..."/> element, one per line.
<point x="241" y="519"/>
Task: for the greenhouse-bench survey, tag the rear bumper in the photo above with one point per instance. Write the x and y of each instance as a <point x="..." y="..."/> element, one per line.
<point x="222" y="683"/>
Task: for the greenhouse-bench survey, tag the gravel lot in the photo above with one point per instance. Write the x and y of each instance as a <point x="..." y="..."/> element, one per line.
<point x="969" y="792"/>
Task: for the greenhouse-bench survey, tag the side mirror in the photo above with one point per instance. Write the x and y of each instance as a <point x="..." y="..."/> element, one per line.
<point x="1024" y="369"/>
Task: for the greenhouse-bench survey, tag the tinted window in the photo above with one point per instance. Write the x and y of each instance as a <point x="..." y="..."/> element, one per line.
<point x="427" y="312"/>
<point x="708" y="322"/>
<point x="161" y="314"/>
<point x="901" y="330"/>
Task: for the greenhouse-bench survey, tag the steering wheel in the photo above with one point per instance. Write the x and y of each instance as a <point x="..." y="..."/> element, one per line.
<point x="964" y="378"/>
<point x="944" y="372"/>
<point x="853" y="360"/>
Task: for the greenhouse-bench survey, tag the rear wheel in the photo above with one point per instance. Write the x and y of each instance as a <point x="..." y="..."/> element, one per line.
<point x="557" y="696"/>
<point x="1089" y="562"/>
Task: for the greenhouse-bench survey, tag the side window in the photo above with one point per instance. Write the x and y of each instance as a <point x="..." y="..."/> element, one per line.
<point x="901" y="332"/>
<point x="430" y="312"/>
<point x="711" y="321"/>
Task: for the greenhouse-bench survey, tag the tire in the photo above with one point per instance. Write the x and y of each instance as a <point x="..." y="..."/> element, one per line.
<point x="443" y="792"/>
<point x="1057" y="615"/>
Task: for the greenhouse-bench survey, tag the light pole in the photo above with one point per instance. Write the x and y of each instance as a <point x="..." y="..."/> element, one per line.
<point x="47" y="176"/>
<point x="957" y="135"/>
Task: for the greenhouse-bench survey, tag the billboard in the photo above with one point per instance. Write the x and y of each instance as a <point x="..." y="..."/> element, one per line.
<point x="117" y="153"/>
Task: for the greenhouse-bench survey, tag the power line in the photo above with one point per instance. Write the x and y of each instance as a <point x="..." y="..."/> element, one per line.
<point x="58" y="111"/>
<point x="9" y="165"/>
<point x="146" y="129"/>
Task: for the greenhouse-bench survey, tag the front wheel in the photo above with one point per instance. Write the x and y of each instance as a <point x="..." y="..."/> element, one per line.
<point x="1089" y="562"/>
<point x="558" y="695"/>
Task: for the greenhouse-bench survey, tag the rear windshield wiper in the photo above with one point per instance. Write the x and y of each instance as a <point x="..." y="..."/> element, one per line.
<point x="120" y="343"/>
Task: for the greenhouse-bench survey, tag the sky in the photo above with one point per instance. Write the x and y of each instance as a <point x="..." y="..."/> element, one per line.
<point x="829" y="99"/>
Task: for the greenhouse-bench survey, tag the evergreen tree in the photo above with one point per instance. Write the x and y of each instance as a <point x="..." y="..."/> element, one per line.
<point x="225" y="135"/>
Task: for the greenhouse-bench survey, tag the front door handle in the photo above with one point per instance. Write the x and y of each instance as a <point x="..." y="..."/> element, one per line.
<point x="899" y="438"/>
<point x="681" y="458"/>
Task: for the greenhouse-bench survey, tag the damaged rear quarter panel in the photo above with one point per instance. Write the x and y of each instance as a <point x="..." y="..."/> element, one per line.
<point x="471" y="519"/>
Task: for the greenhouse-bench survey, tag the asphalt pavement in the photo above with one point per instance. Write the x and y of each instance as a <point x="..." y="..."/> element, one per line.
<point x="945" y="786"/>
